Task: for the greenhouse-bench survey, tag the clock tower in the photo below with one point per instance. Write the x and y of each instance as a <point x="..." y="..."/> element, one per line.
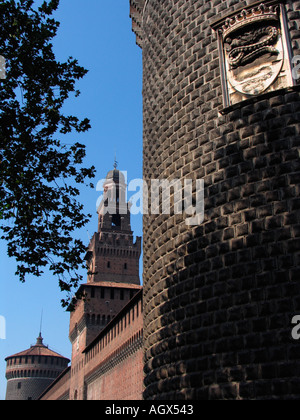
<point x="113" y="275"/>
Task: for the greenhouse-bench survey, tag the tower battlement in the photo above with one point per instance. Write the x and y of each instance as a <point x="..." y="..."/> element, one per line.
<point x="136" y="14"/>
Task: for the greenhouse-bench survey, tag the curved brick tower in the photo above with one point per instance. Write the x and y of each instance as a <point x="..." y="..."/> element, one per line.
<point x="221" y="105"/>
<point x="30" y="372"/>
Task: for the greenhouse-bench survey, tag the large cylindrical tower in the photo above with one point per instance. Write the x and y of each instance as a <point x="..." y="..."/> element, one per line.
<point x="221" y="104"/>
<point x="30" y="372"/>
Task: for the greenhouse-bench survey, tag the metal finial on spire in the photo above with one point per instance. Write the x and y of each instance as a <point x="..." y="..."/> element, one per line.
<point x="39" y="341"/>
<point x="116" y="163"/>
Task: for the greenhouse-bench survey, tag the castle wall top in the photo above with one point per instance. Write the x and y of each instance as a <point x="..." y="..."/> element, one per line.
<point x="136" y="14"/>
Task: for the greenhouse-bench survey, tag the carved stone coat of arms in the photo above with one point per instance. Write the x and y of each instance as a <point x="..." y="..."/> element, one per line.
<point x="254" y="52"/>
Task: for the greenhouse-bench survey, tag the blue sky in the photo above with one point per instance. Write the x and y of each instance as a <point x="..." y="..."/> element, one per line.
<point x="97" y="33"/>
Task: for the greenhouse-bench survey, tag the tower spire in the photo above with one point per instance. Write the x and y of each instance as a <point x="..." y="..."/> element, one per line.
<point x="40" y="335"/>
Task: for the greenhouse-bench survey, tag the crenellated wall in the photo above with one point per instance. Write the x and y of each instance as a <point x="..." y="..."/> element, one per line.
<point x="114" y="361"/>
<point x="111" y="366"/>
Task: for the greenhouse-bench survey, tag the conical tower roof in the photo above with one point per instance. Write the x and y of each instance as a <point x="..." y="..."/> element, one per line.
<point x="38" y="349"/>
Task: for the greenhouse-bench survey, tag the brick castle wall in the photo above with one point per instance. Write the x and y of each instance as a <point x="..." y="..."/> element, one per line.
<point x="111" y="367"/>
<point x="59" y="390"/>
<point x="114" y="361"/>
<point x="219" y="297"/>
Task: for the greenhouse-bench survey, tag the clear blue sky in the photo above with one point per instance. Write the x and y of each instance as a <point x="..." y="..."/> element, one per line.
<point x="97" y="33"/>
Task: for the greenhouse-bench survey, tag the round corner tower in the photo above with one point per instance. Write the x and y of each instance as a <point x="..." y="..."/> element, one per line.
<point x="30" y="372"/>
<point x="222" y="105"/>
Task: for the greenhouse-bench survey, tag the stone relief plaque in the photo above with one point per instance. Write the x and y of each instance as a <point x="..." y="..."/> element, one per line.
<point x="254" y="52"/>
